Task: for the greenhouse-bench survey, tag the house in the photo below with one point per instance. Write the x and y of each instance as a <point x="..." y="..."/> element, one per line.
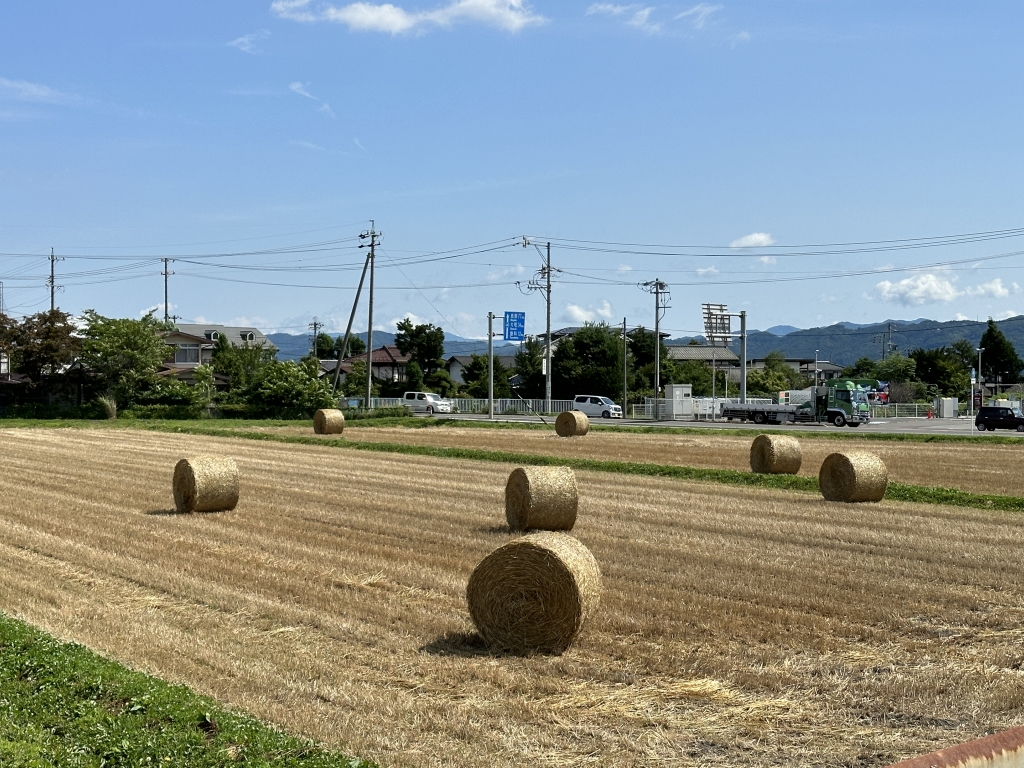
<point x="193" y="345"/>
<point x="804" y="365"/>
<point x="388" y="364"/>
<point x="457" y="363"/>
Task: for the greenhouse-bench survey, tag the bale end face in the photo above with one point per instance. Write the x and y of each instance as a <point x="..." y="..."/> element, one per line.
<point x="572" y="424"/>
<point x="853" y="476"/>
<point x="534" y="594"/>
<point x="775" y="455"/>
<point x="328" y="421"/>
<point x="205" y="484"/>
<point x="541" y="498"/>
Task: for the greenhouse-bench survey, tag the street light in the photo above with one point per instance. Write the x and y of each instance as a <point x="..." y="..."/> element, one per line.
<point x="980" y="391"/>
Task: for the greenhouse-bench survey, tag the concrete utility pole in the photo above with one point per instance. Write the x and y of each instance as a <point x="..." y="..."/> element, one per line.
<point x="166" y="273"/>
<point x="981" y="392"/>
<point x="348" y="328"/>
<point x="625" y="367"/>
<point x="372" y="235"/>
<point x="541" y="281"/>
<point x="661" y="298"/>
<point x="490" y="365"/>
<point x="315" y="326"/>
<point x="52" y="282"/>
<point x="743" y="354"/>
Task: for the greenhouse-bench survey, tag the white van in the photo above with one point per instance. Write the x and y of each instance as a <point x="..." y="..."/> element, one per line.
<point x="426" y="402"/>
<point x="594" y="405"/>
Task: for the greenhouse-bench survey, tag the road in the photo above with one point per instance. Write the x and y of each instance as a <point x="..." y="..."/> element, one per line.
<point x="917" y="426"/>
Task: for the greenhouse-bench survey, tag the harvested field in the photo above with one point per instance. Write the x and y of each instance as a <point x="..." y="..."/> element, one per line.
<point x="738" y="626"/>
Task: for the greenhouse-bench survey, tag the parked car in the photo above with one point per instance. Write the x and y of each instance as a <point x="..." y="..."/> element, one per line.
<point x="594" y="405"/>
<point x="426" y="402"/>
<point x="999" y="417"/>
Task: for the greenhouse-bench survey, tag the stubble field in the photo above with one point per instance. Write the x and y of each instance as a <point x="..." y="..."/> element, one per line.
<point x="738" y="627"/>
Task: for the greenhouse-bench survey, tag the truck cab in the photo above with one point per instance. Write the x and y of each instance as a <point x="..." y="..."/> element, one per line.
<point x="844" y="404"/>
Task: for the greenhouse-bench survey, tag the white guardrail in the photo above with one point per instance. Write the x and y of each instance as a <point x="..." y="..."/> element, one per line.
<point x="472" y="404"/>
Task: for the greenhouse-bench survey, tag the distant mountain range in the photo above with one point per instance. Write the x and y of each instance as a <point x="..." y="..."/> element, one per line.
<point x="844" y="343"/>
<point x="295" y="346"/>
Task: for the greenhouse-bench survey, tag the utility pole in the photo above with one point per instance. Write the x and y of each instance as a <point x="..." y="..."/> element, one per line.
<point x="625" y="367"/>
<point x="490" y="365"/>
<point x="315" y="326"/>
<point x="541" y="281"/>
<point x="661" y="298"/>
<point x="373" y="235"/>
<point x="166" y="273"/>
<point x="2" y="312"/>
<point x="743" y="354"/>
<point x="52" y="282"/>
<point x="348" y="328"/>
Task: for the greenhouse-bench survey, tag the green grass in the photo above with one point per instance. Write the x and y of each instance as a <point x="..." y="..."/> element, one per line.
<point x="62" y="705"/>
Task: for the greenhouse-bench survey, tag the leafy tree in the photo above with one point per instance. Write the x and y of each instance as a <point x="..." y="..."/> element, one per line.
<point x="529" y="366"/>
<point x="42" y="343"/>
<point x="475" y="377"/>
<point x="423" y="343"/>
<point x="999" y="361"/>
<point x="588" y="362"/>
<point x="355" y="382"/>
<point x="896" y="368"/>
<point x="941" y="368"/>
<point x="698" y="375"/>
<point x="242" y="365"/>
<point x="413" y="377"/>
<point x="126" y="355"/>
<point x="965" y="354"/>
<point x="356" y="346"/>
<point x="440" y="381"/>
<point x="864" y="368"/>
<point x="324" y="347"/>
<point x="641" y="352"/>
<point x="288" y="389"/>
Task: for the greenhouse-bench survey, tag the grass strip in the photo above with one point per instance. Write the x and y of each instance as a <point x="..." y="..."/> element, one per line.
<point x="920" y="494"/>
<point x="61" y="704"/>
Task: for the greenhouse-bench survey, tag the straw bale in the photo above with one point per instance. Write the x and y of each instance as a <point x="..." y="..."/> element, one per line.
<point x="206" y="484"/>
<point x="534" y="594"/>
<point x="853" y="476"/>
<point x="328" y="421"/>
<point x="542" y="498"/>
<point x="775" y="455"/>
<point x="572" y="424"/>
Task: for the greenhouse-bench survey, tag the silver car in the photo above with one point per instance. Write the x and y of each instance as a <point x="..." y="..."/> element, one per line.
<point x="595" y="405"/>
<point x="426" y="402"/>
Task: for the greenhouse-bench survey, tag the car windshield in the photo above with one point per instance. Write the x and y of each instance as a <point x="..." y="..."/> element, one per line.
<point x="607" y="401"/>
<point x="1017" y="413"/>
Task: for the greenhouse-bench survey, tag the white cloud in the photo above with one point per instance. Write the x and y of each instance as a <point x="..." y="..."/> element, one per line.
<point x="639" y="16"/>
<point x="306" y="145"/>
<point x="1016" y="288"/>
<point x="578" y="314"/>
<point x="1007" y="314"/>
<point x="501" y="274"/>
<point x="36" y="93"/>
<point x="768" y="261"/>
<point x="510" y="15"/>
<point x="247" y="43"/>
<point x="359" y="144"/>
<point x="960" y="316"/>
<point x="753" y="240"/>
<point x="624" y="268"/>
<point x="712" y="270"/>
<point x="740" y="37"/>
<point x="994" y="288"/>
<point x="300" y="89"/>
<point x="393" y="322"/>
<point x="920" y="289"/>
<point x="699" y="14"/>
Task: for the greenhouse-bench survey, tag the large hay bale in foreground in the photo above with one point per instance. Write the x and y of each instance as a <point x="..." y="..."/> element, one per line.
<point x="534" y="594"/>
<point x="328" y="421"/>
<point x="543" y="498"/>
<point x="206" y="484"/>
<point x="572" y="424"/>
<point x="853" y="476"/>
<point x="1000" y="750"/>
<point x="775" y="455"/>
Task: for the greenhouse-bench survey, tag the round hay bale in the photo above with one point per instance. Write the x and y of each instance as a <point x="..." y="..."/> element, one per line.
<point x="543" y="498"/>
<point x="328" y="421"/>
<point x="534" y="594"/>
<point x="775" y="455"/>
<point x="853" y="476"/>
<point x="206" y="484"/>
<point x="572" y="424"/>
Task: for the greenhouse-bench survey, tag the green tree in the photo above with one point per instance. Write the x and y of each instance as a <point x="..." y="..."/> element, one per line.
<point x="440" y="381"/>
<point x="126" y="354"/>
<point x="475" y="377"/>
<point x="588" y="362"/>
<point x="641" y="353"/>
<point x="897" y="369"/>
<point x="529" y="366"/>
<point x="864" y="368"/>
<point x="965" y="354"/>
<point x="324" y="347"/>
<point x="423" y="343"/>
<point x="999" y="361"/>
<point x="42" y="344"/>
<point x="288" y="389"/>
<point x="242" y="365"/>
<point x="355" y="381"/>
<point x="356" y="346"/>
<point x="413" y="377"/>
<point x="941" y="368"/>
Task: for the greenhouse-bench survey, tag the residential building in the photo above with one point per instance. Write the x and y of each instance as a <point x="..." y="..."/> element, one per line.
<point x="193" y="345"/>
<point x="456" y="364"/>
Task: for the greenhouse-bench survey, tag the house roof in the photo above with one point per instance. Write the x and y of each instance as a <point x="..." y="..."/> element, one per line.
<point x="506" y="361"/>
<point x="385" y="355"/>
<point x="703" y="353"/>
<point x="233" y="333"/>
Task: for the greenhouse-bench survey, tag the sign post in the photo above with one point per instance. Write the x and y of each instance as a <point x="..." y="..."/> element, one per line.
<point x="515" y="326"/>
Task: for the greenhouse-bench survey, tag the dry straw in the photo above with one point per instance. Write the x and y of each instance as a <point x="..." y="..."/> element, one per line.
<point x="328" y="421"/>
<point x="544" y="498"/>
<point x="572" y="424"/>
<point x="775" y="455"/>
<point x="853" y="476"/>
<point x="534" y="594"/>
<point x="205" y="484"/>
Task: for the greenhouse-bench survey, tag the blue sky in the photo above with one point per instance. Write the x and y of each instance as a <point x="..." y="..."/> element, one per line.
<point x="735" y="134"/>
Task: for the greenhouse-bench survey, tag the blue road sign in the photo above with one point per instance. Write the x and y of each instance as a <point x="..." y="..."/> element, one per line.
<point x="515" y="326"/>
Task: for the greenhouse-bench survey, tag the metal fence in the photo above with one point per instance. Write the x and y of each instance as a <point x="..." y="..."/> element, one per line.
<point x="473" y="405"/>
<point x="704" y="408"/>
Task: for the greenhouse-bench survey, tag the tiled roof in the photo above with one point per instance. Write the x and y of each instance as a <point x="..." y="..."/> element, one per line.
<point x="695" y="352"/>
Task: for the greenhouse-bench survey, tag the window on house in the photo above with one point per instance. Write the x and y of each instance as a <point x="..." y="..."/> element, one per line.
<point x="248" y="336"/>
<point x="212" y="335"/>
<point x="186" y="353"/>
